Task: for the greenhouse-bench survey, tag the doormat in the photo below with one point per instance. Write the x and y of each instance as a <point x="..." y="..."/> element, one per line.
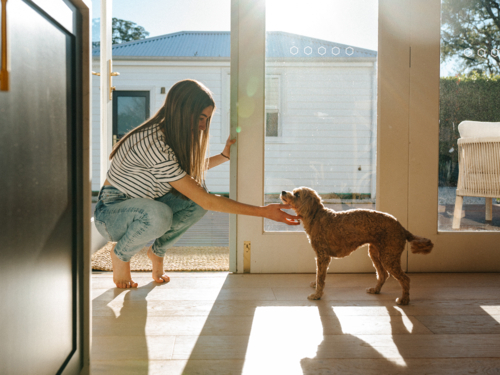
<point x="186" y="258"/>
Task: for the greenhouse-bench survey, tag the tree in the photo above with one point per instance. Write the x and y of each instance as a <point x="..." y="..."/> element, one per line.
<point x="126" y="31"/>
<point x="470" y="33"/>
<point x="122" y="31"/>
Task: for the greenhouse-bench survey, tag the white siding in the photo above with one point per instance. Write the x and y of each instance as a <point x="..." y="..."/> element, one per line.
<point x="326" y="130"/>
<point x="327" y="121"/>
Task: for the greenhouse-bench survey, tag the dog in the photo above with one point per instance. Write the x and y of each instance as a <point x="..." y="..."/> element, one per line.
<point x="336" y="234"/>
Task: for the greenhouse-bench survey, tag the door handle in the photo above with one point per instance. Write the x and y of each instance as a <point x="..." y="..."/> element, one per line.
<point x="4" y="73"/>
<point x="111" y="74"/>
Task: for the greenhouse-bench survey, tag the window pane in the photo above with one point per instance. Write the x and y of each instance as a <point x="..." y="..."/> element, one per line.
<point x="96" y="23"/>
<point x="271" y="124"/>
<point x="131" y="112"/>
<point x="469" y="148"/>
<point x="324" y="56"/>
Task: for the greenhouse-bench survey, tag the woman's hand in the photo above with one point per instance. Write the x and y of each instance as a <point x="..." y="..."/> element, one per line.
<point x="227" y="149"/>
<point x="274" y="212"/>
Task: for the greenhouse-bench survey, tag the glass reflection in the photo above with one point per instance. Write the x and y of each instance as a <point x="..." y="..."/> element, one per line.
<point x="469" y="157"/>
<point x="321" y="100"/>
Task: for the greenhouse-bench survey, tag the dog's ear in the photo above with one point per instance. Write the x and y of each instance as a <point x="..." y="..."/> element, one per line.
<point x="307" y="202"/>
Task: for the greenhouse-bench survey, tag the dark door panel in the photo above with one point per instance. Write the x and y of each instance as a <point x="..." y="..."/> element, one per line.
<point x="39" y="162"/>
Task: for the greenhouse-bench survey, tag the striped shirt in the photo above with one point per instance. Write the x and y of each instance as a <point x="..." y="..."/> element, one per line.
<point x="144" y="165"/>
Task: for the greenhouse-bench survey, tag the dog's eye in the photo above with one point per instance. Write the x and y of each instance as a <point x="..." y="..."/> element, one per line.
<point x="297" y="195"/>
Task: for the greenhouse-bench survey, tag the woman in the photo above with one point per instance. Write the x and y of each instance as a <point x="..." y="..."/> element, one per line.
<point x="155" y="187"/>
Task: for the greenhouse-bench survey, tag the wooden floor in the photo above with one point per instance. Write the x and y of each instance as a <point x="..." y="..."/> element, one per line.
<point x="220" y="323"/>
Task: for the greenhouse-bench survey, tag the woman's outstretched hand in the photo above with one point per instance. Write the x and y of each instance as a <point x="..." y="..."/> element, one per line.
<point x="227" y="148"/>
<point x="274" y="212"/>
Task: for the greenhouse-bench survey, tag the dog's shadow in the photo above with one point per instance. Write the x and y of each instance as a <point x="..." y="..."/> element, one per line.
<point x="344" y="353"/>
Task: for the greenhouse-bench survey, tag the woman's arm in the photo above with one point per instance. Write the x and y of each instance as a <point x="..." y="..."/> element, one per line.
<point x="216" y="160"/>
<point x="191" y="189"/>
<point x="219" y="159"/>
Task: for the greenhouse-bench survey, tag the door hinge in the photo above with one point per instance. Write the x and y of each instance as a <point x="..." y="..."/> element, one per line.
<point x="247" y="251"/>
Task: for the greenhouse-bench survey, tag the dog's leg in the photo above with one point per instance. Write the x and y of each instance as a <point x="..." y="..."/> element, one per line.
<point x="394" y="268"/>
<point x="382" y="274"/>
<point x="322" y="263"/>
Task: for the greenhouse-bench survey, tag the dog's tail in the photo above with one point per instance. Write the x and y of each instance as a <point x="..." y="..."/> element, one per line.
<point x="419" y="245"/>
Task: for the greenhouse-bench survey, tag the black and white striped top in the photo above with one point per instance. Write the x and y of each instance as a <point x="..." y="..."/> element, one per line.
<point x="144" y="165"/>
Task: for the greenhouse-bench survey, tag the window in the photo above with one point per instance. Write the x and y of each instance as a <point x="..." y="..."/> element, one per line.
<point x="272" y="118"/>
<point x="130" y="108"/>
<point x="273" y="106"/>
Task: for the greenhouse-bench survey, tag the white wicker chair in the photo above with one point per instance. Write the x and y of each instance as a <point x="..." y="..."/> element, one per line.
<point x="479" y="165"/>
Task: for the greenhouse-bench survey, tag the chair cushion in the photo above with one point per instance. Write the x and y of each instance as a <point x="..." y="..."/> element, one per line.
<point x="478" y="129"/>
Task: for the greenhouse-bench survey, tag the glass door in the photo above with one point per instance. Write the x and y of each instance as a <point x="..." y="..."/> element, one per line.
<point x="454" y="170"/>
<point x="307" y="106"/>
<point x="321" y="102"/>
<point x="469" y="118"/>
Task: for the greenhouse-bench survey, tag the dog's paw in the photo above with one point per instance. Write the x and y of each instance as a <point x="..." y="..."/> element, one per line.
<point x="313" y="284"/>
<point x="372" y="291"/>
<point x="314" y="296"/>
<point x="403" y="301"/>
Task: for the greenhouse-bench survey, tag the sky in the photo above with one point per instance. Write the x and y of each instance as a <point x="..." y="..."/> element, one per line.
<point x="351" y="22"/>
<point x="341" y="21"/>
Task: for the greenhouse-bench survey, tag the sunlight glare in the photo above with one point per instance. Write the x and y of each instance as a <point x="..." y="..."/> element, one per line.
<point x="406" y="321"/>
<point x="116" y="305"/>
<point x="493" y="311"/>
<point x="282" y="337"/>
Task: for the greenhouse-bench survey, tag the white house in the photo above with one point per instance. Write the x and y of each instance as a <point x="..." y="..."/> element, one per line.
<point x="320" y="104"/>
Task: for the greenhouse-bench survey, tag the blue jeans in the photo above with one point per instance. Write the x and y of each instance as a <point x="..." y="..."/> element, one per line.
<point x="134" y="222"/>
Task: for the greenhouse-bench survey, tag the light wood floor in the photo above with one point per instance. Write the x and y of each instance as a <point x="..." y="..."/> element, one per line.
<point x="220" y="323"/>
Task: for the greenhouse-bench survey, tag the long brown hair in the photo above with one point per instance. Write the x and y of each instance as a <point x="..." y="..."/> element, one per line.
<point x="178" y="120"/>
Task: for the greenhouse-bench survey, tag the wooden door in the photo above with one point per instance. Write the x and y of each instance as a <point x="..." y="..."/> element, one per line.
<point x="41" y="184"/>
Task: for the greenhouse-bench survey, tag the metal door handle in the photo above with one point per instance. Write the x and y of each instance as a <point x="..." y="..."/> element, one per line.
<point x="96" y="73"/>
<point x="111" y="74"/>
<point x="4" y="73"/>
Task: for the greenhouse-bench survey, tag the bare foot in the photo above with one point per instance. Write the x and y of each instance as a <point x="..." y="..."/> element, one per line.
<point x="157" y="261"/>
<point x="121" y="272"/>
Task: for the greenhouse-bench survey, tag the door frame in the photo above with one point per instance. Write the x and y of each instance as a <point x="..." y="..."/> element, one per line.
<point x="276" y="252"/>
<point x="84" y="183"/>
<point x="407" y="147"/>
<point x="454" y="251"/>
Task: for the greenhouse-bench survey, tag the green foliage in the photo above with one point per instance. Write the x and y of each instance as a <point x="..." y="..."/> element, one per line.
<point x="122" y="31"/>
<point x="126" y="31"/>
<point x="473" y="25"/>
<point x="475" y="97"/>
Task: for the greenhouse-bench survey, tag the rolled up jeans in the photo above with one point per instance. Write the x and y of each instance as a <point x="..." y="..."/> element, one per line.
<point x="134" y="222"/>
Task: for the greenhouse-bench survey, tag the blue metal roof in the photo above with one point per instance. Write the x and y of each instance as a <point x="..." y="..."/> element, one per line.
<point x="216" y="44"/>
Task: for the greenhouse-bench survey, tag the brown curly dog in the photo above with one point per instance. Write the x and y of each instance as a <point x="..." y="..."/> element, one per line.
<point x="338" y="234"/>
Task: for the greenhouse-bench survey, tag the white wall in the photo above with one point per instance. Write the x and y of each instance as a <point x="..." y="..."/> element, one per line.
<point x="327" y="121"/>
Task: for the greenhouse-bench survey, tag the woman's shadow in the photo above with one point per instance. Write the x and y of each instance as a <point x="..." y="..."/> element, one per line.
<point x="125" y="336"/>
